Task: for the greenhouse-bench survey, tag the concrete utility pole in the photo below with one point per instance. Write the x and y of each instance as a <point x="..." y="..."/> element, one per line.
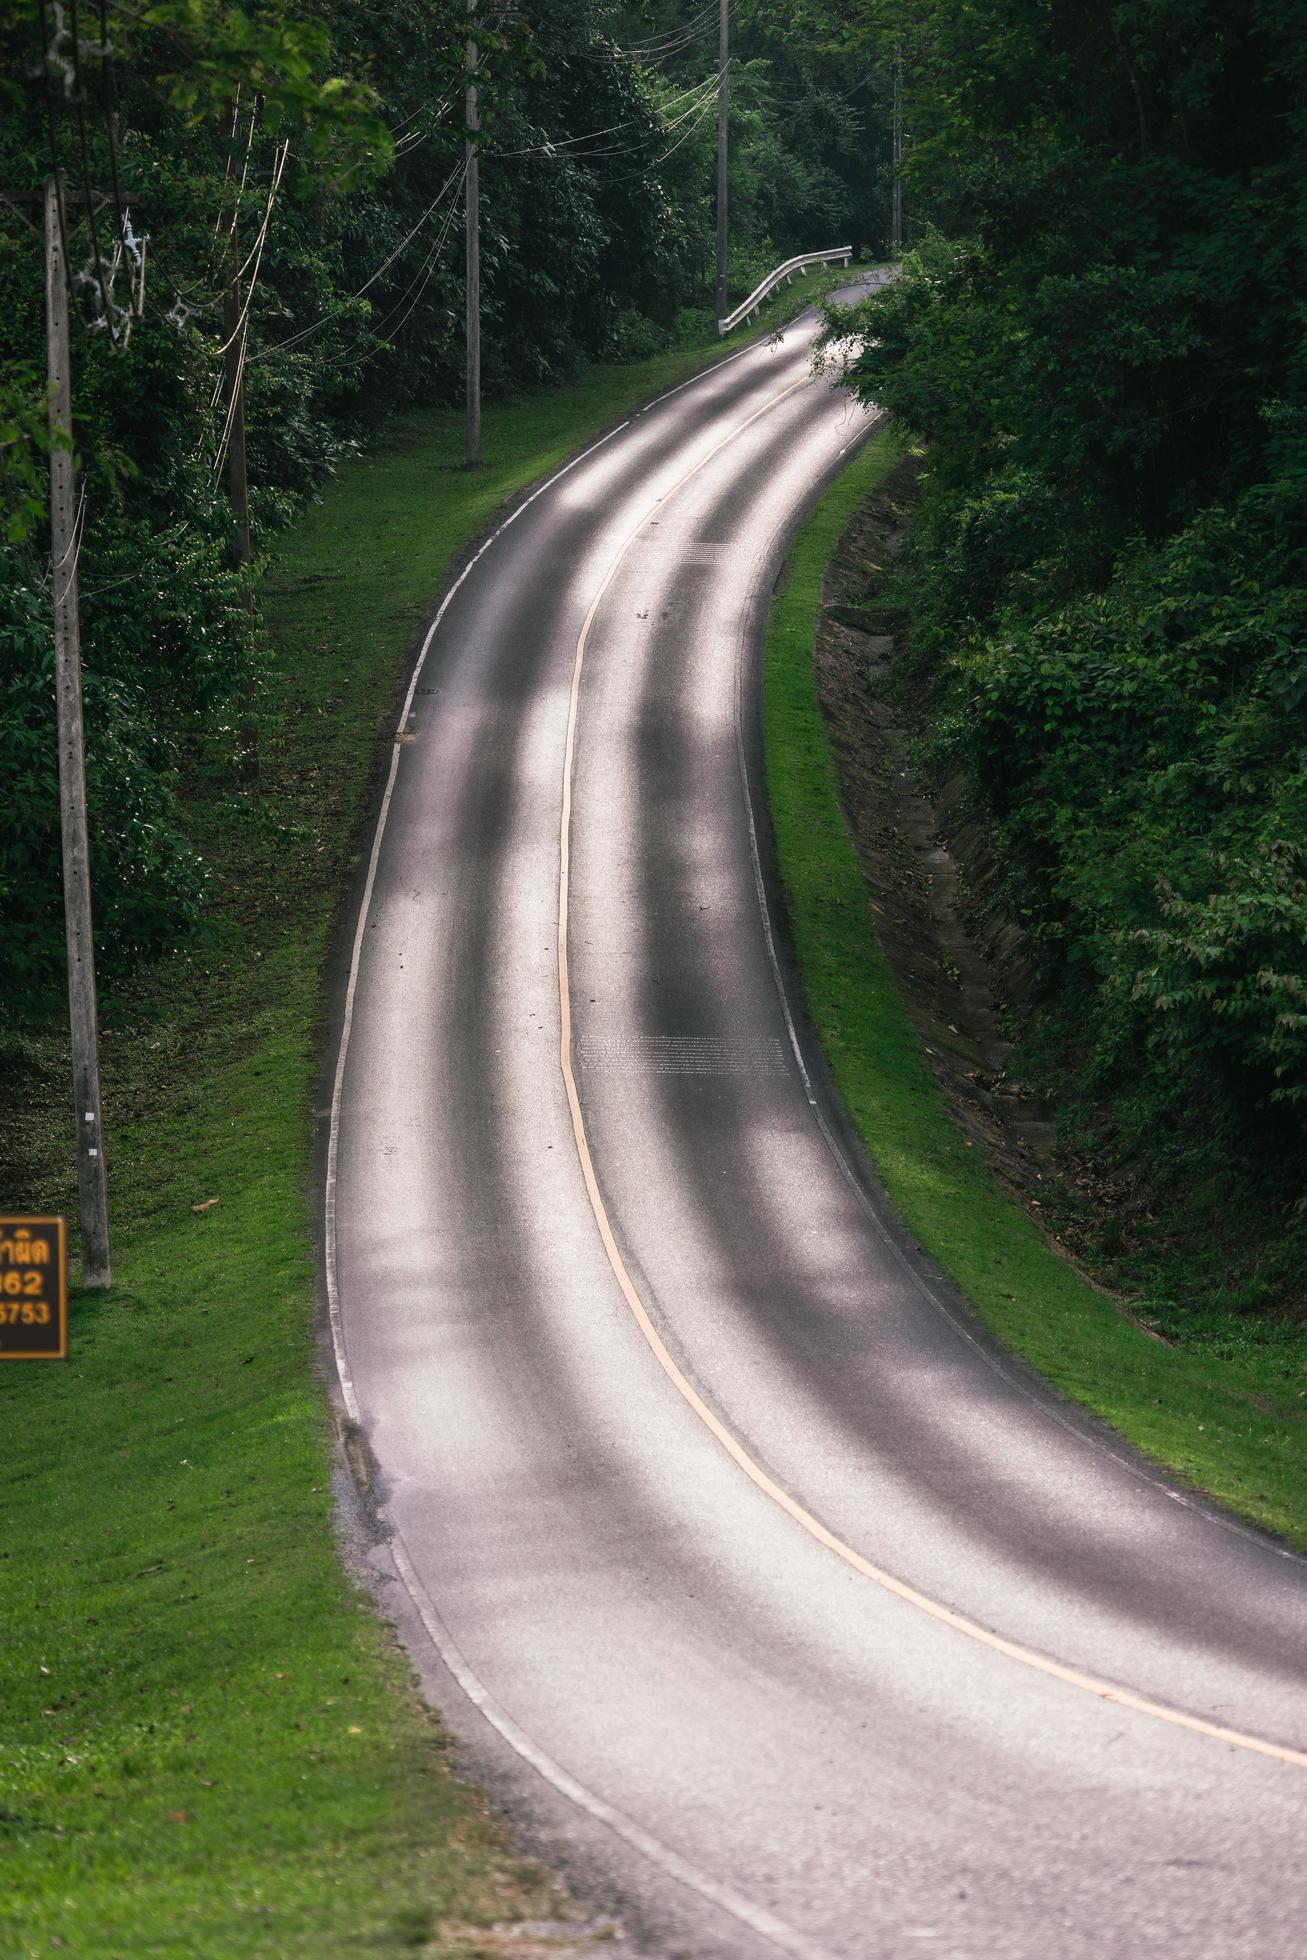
<point x="472" y="222"/>
<point x="896" y="163"/>
<point x="723" y="115"/>
<point x="92" y="1189"/>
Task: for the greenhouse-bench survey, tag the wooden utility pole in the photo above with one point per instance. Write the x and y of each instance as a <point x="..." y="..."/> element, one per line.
<point x="896" y="163"/>
<point x="92" y="1188"/>
<point x="472" y="223"/>
<point x="723" y="115"/>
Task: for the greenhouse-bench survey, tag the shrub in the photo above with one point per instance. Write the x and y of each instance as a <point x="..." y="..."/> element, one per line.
<point x="634" y="338"/>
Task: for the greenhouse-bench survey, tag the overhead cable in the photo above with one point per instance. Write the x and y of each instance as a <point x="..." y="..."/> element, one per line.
<point x="80" y="104"/>
<point x="654" y="132"/>
<point x="303" y="333"/>
<point x="669" y="40"/>
<point x="705" y="115"/>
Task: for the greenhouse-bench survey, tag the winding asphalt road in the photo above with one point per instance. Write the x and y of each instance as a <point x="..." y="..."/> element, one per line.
<point x="780" y="1610"/>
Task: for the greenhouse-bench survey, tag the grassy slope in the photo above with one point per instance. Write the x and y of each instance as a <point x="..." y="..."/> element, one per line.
<point x="209" y="1746"/>
<point x="1236" y="1428"/>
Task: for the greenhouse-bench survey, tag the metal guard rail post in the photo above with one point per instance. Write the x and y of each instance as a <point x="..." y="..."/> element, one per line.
<point x="843" y="253"/>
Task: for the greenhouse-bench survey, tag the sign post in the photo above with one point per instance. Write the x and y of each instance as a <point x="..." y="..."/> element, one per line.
<point x="33" y="1289"/>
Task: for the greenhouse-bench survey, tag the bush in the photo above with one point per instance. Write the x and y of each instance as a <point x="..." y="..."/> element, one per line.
<point x="148" y="885"/>
<point x="634" y="338"/>
<point x="1225" y="975"/>
<point x="693" y="323"/>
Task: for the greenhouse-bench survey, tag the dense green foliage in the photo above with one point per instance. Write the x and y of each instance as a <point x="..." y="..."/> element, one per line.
<point x="596" y="168"/>
<point x="1101" y="335"/>
<point x="809" y="134"/>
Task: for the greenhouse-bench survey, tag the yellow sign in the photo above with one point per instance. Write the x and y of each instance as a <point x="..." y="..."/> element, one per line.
<point x="33" y="1289"/>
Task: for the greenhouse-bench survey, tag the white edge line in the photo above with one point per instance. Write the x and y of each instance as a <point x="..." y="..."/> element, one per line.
<point x="334" y="1315"/>
<point x="769" y="343"/>
<point x="1105" y="1690"/>
<point x="757" y="1918"/>
<point x="1045" y="1405"/>
<point x="754" y="347"/>
<point x="658" y="1854"/>
<point x="347" y="1021"/>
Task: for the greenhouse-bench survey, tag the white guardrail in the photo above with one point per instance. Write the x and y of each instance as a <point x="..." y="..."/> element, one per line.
<point x="786" y="272"/>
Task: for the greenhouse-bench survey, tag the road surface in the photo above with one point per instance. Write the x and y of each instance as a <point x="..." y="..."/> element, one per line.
<point x="779" y="1609"/>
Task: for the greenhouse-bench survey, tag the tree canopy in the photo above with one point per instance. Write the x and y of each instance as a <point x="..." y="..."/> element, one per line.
<point x="315" y="155"/>
<point x="1100" y="335"/>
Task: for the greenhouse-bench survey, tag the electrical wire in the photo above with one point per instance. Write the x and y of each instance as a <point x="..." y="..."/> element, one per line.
<point x="655" y="163"/>
<point x="105" y="301"/>
<point x="384" y="325"/>
<point x="110" y="115"/>
<point x="701" y="90"/>
<point x="158" y="538"/>
<point x="237" y="393"/>
<point x="256" y="253"/>
<point x="386" y="330"/>
<point x="666" y="51"/>
<point x="242" y="327"/>
<point x="408" y="144"/>
<point x="388" y="324"/>
<point x="688" y="30"/>
<point x="304" y="332"/>
<point x="226" y="168"/>
<point x="706" y="94"/>
<point x="405" y="120"/>
<point x="245" y="169"/>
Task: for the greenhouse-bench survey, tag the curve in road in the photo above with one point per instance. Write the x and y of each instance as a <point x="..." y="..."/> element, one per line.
<point x="557" y="1292"/>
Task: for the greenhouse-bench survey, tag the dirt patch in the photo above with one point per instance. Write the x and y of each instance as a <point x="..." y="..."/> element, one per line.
<point x="530" y="1939"/>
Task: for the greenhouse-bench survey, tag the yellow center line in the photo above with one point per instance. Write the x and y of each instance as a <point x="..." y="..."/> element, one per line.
<point x="1027" y="1657"/>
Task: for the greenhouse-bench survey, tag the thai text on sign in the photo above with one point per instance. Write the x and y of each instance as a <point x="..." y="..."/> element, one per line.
<point x="33" y="1289"/>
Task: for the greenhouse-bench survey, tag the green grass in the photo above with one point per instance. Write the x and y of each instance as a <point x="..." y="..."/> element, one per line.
<point x="1236" y="1428"/>
<point x="210" y="1746"/>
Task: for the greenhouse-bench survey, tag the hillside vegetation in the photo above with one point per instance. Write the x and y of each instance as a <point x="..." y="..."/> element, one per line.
<point x="1099" y="333"/>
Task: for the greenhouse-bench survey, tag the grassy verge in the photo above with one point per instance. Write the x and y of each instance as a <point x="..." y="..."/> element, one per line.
<point x="209" y="1745"/>
<point x="1234" y="1427"/>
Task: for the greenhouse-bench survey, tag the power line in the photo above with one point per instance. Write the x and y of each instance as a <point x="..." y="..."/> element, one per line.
<point x="256" y="252"/>
<point x="226" y="169"/>
<point x="110" y="114"/>
<point x="668" y="33"/>
<point x="80" y="100"/>
<point x="242" y="326"/>
<point x="653" y="134"/>
<point x="420" y="281"/>
<point x="406" y="146"/>
<point x="405" y="120"/>
<point x="304" y="332"/>
<point x="386" y="329"/>
<point x="659" y="47"/>
<point x="706" y="108"/>
<point x="563" y="142"/>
